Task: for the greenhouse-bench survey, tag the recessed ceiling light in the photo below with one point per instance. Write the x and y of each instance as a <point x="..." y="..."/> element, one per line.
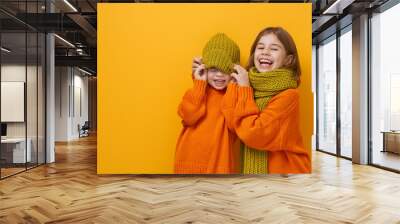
<point x="5" y="50"/>
<point x="71" y="6"/>
<point x="64" y="40"/>
<point x="337" y="7"/>
<point x="84" y="71"/>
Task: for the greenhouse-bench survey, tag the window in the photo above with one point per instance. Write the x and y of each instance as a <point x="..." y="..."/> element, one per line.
<point x="22" y="65"/>
<point x="385" y="88"/>
<point x="327" y="96"/>
<point x="346" y="75"/>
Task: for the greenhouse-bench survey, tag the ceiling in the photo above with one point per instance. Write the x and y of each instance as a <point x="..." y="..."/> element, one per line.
<point x="76" y="22"/>
<point x="72" y="20"/>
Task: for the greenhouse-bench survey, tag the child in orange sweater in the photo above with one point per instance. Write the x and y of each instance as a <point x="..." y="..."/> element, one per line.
<point x="206" y="142"/>
<point x="265" y="103"/>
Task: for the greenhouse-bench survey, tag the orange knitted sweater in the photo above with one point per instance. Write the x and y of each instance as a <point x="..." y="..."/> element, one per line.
<point x="276" y="129"/>
<point x="206" y="143"/>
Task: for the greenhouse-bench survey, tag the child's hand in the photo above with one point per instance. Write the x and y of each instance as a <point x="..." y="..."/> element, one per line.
<point x="196" y="63"/>
<point x="240" y="75"/>
<point x="200" y="73"/>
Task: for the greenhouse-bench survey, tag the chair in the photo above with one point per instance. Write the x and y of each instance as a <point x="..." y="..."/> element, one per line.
<point x="84" y="130"/>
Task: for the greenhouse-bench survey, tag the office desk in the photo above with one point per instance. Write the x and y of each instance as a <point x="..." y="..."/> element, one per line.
<point x="13" y="150"/>
<point x="391" y="141"/>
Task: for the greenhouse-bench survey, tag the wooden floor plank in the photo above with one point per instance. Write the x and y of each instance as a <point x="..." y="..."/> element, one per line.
<point x="70" y="191"/>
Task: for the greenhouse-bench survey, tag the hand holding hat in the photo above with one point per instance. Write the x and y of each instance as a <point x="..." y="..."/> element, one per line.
<point x="240" y="75"/>
<point x="199" y="73"/>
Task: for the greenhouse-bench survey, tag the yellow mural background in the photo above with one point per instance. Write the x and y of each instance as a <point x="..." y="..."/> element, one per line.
<point x="145" y="53"/>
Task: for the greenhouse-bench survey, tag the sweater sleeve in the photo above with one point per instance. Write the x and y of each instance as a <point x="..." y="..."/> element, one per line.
<point x="261" y="130"/>
<point x="193" y="106"/>
<point x="228" y="105"/>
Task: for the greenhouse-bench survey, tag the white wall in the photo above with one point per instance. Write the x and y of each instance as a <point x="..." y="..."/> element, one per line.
<point x="33" y="127"/>
<point x="71" y="93"/>
<point x="13" y="72"/>
<point x="12" y="101"/>
<point x="16" y="73"/>
<point x="82" y="83"/>
<point x="61" y="103"/>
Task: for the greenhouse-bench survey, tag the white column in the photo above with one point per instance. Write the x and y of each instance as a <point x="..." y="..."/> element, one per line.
<point x="360" y="90"/>
<point x="50" y="110"/>
<point x="50" y="92"/>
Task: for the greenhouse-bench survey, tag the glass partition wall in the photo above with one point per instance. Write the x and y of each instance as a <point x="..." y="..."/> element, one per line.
<point x="345" y="93"/>
<point x="334" y="90"/>
<point x="334" y="94"/>
<point x="385" y="90"/>
<point x="22" y="88"/>
<point x="326" y="95"/>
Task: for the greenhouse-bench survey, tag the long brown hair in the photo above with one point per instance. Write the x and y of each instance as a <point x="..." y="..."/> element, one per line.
<point x="286" y="39"/>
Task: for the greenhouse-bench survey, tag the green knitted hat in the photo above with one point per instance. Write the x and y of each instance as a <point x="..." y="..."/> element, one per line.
<point x="221" y="52"/>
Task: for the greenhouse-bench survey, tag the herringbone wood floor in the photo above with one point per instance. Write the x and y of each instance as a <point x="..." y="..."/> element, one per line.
<point x="69" y="191"/>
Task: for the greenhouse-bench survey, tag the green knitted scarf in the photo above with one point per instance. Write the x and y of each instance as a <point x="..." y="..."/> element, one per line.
<point x="265" y="85"/>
